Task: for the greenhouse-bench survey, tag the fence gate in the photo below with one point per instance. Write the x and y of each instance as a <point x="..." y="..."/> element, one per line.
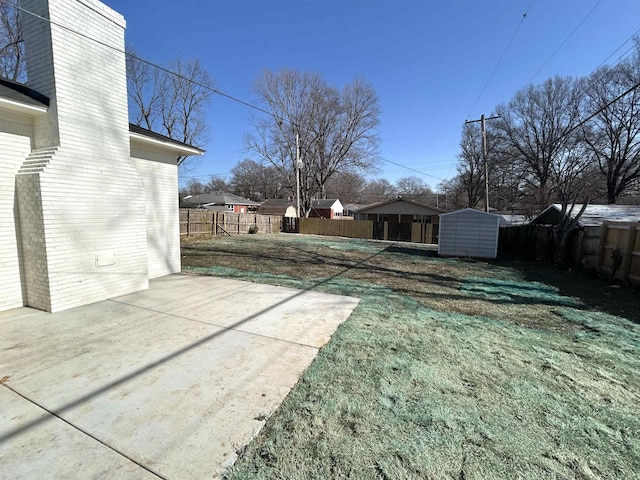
<point x="291" y="225"/>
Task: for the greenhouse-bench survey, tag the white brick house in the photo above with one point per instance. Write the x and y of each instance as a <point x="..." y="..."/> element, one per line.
<point x="72" y="169"/>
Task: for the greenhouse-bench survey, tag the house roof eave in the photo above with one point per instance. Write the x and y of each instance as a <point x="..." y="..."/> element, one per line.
<point x="24" y="108"/>
<point x="176" y="147"/>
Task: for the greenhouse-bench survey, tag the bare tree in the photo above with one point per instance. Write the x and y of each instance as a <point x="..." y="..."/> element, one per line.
<point x="414" y="188"/>
<point x="378" y="190"/>
<point x="170" y="103"/>
<point x="451" y="194"/>
<point x="217" y="184"/>
<point x="256" y="181"/>
<point x="470" y="164"/>
<point x="336" y="129"/>
<point x="347" y="186"/>
<point x="193" y="187"/>
<point x="534" y="131"/>
<point x="613" y="135"/>
<point x="12" y="62"/>
<point x="146" y="86"/>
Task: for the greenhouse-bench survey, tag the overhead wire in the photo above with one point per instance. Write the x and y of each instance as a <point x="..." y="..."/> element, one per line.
<point x="484" y="88"/>
<point x="565" y="40"/>
<point x="601" y="109"/>
<point x="278" y="118"/>
<point x="619" y="47"/>
<point x="182" y="77"/>
<point x="621" y="58"/>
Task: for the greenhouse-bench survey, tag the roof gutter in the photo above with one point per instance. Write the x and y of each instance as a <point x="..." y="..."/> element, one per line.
<point x="25" y="108"/>
<point x="181" y="150"/>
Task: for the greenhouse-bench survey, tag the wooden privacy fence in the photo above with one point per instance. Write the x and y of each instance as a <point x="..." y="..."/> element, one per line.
<point x="366" y="229"/>
<point x="424" y="233"/>
<point x="338" y="228"/>
<point x="206" y="222"/>
<point x="619" y="252"/>
<point x="613" y="249"/>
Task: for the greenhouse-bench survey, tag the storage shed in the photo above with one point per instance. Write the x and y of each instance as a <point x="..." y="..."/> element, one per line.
<point x="469" y="233"/>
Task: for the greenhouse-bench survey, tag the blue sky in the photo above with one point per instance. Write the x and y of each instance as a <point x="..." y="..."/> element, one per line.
<point x="427" y="60"/>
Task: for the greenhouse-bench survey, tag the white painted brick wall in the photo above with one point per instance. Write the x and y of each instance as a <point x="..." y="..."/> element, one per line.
<point x="15" y="144"/>
<point x="90" y="190"/>
<point x="159" y="175"/>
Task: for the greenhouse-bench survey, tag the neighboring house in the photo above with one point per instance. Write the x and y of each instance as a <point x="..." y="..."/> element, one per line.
<point x="70" y="231"/>
<point x="593" y="216"/>
<point x="330" y="208"/>
<point x="511" y="219"/>
<point x="399" y="210"/>
<point x="469" y="233"/>
<point x="282" y="207"/>
<point x="394" y="218"/>
<point x="232" y="203"/>
<point x="351" y="208"/>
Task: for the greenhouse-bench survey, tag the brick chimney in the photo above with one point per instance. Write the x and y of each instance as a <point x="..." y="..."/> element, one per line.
<point x="82" y="218"/>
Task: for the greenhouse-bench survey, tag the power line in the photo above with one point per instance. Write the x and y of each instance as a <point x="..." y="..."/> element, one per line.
<point x="601" y="109"/>
<point x="616" y="50"/>
<point x="565" y="40"/>
<point x="524" y="16"/>
<point x="135" y="57"/>
<point x="182" y="77"/>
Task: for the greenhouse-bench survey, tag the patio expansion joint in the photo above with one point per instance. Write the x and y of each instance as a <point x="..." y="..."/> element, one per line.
<point x="81" y="430"/>
<point x="232" y="328"/>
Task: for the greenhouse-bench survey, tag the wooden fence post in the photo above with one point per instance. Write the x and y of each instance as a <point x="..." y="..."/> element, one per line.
<point x="603" y="241"/>
<point x="188" y="221"/>
<point x="578" y="251"/>
<point x="628" y="254"/>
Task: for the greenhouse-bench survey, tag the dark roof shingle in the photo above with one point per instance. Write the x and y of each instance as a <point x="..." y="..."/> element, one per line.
<point x="22" y="93"/>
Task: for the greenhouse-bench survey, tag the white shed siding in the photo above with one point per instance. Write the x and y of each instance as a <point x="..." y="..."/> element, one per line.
<point x="159" y="175"/>
<point x="469" y="233"/>
<point x="15" y="144"/>
<point x="80" y="206"/>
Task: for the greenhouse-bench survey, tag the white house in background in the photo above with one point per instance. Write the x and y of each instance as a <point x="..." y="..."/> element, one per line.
<point x="329" y="208"/>
<point x="74" y="226"/>
<point x="469" y="233"/>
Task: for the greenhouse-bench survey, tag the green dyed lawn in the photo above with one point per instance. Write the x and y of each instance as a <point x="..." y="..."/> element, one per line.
<point x="447" y="368"/>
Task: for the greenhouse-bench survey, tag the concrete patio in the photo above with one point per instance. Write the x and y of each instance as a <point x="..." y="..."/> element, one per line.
<point x="165" y="383"/>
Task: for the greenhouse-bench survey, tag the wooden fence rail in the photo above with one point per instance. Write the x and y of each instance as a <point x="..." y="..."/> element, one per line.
<point x="338" y="228"/>
<point x="206" y="222"/>
<point x="613" y="248"/>
<point x="366" y="229"/>
<point x="619" y="252"/>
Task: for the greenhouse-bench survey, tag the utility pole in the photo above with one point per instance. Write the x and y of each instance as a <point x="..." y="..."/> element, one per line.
<point x="298" y="172"/>
<point x="484" y="156"/>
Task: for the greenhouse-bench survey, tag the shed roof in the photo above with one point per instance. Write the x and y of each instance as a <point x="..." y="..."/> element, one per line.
<point x="277" y="206"/>
<point x="472" y="211"/>
<point x="593" y="216"/>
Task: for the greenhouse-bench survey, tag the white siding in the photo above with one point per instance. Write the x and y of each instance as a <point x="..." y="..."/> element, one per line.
<point x="159" y="175"/>
<point x="15" y="145"/>
<point x="468" y="233"/>
<point x="89" y="208"/>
